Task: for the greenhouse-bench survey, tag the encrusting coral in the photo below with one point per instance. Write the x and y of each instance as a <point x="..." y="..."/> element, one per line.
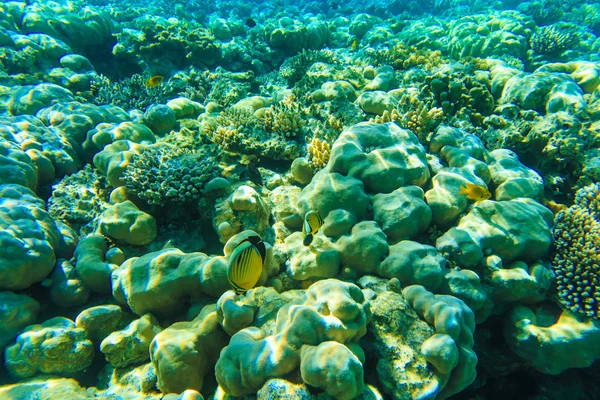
<point x="79" y="198"/>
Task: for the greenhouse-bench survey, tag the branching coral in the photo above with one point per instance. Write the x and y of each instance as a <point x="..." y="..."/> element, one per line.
<point x="553" y="40"/>
<point x="587" y="15"/>
<point x="128" y="93"/>
<point x="284" y="118"/>
<point x="162" y="175"/>
<point x="577" y="261"/>
<point x="456" y="91"/>
<point x="420" y="117"/>
<point x="318" y="153"/>
<point x="403" y="57"/>
<point x="546" y="12"/>
<point x="275" y="133"/>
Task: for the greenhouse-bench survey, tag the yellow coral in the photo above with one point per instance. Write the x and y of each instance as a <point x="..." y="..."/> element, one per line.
<point x="284" y="118"/>
<point x="387" y="116"/>
<point x="421" y="118"/>
<point x="335" y="123"/>
<point x="318" y="153"/>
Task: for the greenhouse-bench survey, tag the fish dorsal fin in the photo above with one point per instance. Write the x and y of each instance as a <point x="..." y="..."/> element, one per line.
<point x="257" y="242"/>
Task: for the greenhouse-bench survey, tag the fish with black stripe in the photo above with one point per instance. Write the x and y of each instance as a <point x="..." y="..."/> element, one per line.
<point x="312" y="223"/>
<point x="246" y="264"/>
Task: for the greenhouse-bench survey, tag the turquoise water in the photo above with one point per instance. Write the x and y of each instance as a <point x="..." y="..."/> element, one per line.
<point x="318" y="199"/>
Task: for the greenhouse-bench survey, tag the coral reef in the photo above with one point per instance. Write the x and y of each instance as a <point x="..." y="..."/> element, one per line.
<point x="450" y="148"/>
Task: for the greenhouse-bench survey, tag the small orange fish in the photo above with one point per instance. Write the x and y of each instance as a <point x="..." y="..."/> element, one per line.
<point x="354" y="45"/>
<point x="474" y="192"/>
<point x="154" y="81"/>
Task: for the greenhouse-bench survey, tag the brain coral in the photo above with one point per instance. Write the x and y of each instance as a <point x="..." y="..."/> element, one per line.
<point x="330" y="311"/>
<point x="576" y="261"/>
<point x="30" y="239"/>
<point x="383" y="156"/>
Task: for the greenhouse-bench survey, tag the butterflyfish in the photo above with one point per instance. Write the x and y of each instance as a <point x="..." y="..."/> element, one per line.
<point x="246" y="264"/>
<point x="312" y="223"/>
<point x="154" y="81"/>
<point x="474" y="192"/>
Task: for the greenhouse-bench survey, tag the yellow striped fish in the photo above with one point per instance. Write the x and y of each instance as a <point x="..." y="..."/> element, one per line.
<point x="312" y="223"/>
<point x="246" y="263"/>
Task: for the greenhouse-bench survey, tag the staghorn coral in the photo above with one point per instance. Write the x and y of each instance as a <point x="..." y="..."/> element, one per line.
<point x="553" y="40"/>
<point x="576" y="261"/>
<point x="132" y="92"/>
<point x="162" y="175"/>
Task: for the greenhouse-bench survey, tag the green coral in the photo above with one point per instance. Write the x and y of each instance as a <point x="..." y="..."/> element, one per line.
<point x="227" y="88"/>
<point x="79" y="198"/>
<point x="588" y="15"/>
<point x="490" y="35"/>
<point x="274" y="132"/>
<point x="284" y="118"/>
<point x="553" y="40"/>
<point x="577" y="261"/>
<point x="129" y="93"/>
<point x="294" y="68"/>
<point x="158" y="43"/>
<point x="403" y="57"/>
<point x="162" y="175"/>
<point x="457" y="91"/>
<point x="547" y="12"/>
